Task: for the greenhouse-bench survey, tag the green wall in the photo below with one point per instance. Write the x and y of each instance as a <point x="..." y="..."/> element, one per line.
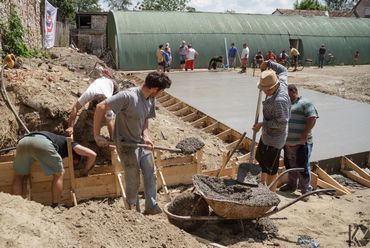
<point x="139" y="34"/>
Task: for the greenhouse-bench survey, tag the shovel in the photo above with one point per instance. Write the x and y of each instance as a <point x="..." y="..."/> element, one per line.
<point x="155" y="147"/>
<point x="247" y="172"/>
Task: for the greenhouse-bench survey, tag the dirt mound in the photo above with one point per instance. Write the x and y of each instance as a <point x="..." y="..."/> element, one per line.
<point x="91" y="224"/>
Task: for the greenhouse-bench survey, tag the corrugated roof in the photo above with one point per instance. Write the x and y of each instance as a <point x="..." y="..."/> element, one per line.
<point x="300" y="12"/>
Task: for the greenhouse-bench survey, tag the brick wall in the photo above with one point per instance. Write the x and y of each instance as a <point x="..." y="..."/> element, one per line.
<point x="29" y="12"/>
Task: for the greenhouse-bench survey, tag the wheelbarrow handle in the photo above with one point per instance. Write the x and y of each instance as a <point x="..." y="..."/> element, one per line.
<point x="277" y="209"/>
<point x="282" y="174"/>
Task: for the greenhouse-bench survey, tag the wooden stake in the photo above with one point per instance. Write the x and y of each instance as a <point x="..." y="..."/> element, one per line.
<point x="327" y="178"/>
<point x="347" y="163"/>
<point x="71" y="171"/>
<point x="159" y="168"/>
<point x="325" y="185"/>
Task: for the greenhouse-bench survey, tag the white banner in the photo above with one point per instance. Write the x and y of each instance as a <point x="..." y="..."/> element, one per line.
<point x="50" y="24"/>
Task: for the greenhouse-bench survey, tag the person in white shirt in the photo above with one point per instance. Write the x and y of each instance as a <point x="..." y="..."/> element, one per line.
<point x="190" y="58"/>
<point x="244" y="58"/>
<point x="99" y="90"/>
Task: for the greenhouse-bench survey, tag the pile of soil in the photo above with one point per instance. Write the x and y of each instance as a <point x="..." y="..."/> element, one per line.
<point x="190" y="145"/>
<point x="91" y="224"/>
<point x="230" y="190"/>
<point x="44" y="90"/>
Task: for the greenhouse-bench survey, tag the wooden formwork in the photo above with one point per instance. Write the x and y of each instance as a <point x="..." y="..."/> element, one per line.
<point x="102" y="182"/>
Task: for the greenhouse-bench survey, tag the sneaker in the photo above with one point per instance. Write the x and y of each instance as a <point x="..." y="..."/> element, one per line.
<point x="153" y="211"/>
<point x="287" y="188"/>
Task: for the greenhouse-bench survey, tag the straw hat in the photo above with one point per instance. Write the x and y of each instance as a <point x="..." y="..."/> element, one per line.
<point x="268" y="80"/>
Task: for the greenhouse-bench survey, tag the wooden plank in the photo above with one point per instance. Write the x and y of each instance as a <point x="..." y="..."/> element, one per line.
<point x="198" y="158"/>
<point x="356" y="178"/>
<point x="178" y="161"/>
<point x="6" y="188"/>
<point x="45" y="197"/>
<point x="199" y="121"/>
<point x="225" y="172"/>
<point x="181" y="112"/>
<point x="190" y="117"/>
<point x="210" y="128"/>
<point x="231" y="145"/>
<point x="7" y="158"/>
<point x="224" y="134"/>
<point x="94" y="180"/>
<point x="314" y="178"/>
<point x="325" y="185"/>
<point x="163" y="98"/>
<point x="176" y="106"/>
<point x="70" y="163"/>
<point x="102" y="170"/>
<point x="169" y="102"/>
<point x="176" y="175"/>
<point x="37" y="187"/>
<point x="327" y="178"/>
<point x="347" y="163"/>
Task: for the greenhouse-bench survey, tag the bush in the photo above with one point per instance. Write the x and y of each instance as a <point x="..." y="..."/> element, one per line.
<point x="12" y="33"/>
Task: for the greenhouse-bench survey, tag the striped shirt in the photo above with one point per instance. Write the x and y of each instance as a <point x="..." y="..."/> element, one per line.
<point x="276" y="111"/>
<point x="301" y="110"/>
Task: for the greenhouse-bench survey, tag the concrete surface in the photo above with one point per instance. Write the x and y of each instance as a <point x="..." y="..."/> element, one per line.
<point x="343" y="126"/>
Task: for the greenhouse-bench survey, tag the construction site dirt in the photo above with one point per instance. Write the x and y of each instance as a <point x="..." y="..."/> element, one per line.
<point x="43" y="92"/>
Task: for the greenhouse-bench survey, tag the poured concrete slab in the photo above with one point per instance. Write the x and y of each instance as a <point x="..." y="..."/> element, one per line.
<point x="343" y="126"/>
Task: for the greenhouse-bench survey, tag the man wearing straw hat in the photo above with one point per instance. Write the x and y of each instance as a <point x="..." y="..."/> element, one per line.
<point x="276" y="113"/>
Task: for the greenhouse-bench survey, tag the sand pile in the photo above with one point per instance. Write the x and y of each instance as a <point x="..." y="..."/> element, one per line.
<point x="91" y="224"/>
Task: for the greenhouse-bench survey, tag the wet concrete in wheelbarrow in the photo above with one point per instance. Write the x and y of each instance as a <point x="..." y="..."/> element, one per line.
<point x="231" y="190"/>
<point x="190" y="145"/>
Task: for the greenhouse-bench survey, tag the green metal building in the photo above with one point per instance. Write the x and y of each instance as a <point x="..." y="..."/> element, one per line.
<point x="134" y="36"/>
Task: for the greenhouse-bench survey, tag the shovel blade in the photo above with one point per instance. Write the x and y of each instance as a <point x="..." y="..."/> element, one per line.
<point x="247" y="174"/>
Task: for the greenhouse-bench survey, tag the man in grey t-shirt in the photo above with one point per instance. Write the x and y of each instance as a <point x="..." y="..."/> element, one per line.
<point x="133" y="108"/>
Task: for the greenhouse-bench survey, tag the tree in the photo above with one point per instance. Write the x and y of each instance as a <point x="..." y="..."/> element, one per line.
<point x="119" y="4"/>
<point x="66" y="9"/>
<point x="87" y="5"/>
<point x="340" y="4"/>
<point x="309" y="5"/>
<point x="164" y="5"/>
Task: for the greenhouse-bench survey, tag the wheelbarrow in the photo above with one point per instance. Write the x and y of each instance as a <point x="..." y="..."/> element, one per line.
<point x="190" y="210"/>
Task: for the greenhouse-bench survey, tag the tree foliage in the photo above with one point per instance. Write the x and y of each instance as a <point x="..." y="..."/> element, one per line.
<point x="118" y="4"/>
<point x="66" y="9"/>
<point x="164" y="5"/>
<point x="12" y="33"/>
<point x="87" y="5"/>
<point x="309" y="5"/>
<point x="340" y="4"/>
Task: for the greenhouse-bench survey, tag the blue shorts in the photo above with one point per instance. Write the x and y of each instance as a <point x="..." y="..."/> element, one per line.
<point x="39" y="148"/>
<point x="182" y="59"/>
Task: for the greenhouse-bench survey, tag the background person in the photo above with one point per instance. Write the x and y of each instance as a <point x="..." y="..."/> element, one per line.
<point x="233" y="52"/>
<point x="294" y="53"/>
<point x="244" y="58"/>
<point x="190" y="58"/>
<point x="183" y="50"/>
<point x="214" y="61"/>
<point x="322" y="51"/>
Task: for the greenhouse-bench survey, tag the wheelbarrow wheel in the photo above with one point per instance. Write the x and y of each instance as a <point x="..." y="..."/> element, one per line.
<point x="188" y="204"/>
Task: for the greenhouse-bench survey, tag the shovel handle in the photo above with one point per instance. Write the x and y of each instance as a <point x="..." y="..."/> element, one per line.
<point x="253" y="144"/>
<point x="155" y="147"/>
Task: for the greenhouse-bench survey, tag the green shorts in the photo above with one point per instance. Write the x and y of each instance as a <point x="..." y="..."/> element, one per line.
<point x="39" y="148"/>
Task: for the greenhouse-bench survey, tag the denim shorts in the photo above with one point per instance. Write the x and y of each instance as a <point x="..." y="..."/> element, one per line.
<point x="39" y="148"/>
